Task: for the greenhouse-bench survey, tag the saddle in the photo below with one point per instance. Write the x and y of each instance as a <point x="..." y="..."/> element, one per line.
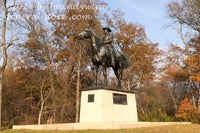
<point x="118" y="55"/>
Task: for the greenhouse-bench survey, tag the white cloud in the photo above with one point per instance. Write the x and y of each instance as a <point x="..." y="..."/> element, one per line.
<point x="149" y="8"/>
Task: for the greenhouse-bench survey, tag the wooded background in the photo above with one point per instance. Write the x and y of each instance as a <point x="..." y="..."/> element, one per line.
<point x="43" y="68"/>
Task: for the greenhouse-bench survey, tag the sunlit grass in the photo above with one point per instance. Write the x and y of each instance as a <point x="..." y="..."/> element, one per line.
<point x="189" y="128"/>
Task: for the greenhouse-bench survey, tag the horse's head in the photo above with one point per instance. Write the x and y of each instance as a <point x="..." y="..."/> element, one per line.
<point x="86" y="33"/>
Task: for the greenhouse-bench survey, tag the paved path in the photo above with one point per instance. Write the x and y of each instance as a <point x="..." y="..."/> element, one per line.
<point x="85" y="126"/>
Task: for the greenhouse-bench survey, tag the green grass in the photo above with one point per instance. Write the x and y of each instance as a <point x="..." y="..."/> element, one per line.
<point x="189" y="128"/>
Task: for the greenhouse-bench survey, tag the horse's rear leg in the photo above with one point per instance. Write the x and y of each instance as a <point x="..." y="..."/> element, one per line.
<point x="105" y="75"/>
<point x="118" y="72"/>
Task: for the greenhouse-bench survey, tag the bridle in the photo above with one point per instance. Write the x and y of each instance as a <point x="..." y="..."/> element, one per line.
<point x="88" y="40"/>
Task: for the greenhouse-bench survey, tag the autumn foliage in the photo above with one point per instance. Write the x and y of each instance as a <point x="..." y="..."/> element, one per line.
<point x="187" y="111"/>
<point x="47" y="66"/>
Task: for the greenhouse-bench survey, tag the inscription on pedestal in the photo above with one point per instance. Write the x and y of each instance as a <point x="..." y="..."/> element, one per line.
<point x="119" y="99"/>
<point x="90" y="98"/>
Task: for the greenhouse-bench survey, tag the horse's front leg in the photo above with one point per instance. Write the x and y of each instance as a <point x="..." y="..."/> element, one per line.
<point x="95" y="70"/>
<point x="105" y="75"/>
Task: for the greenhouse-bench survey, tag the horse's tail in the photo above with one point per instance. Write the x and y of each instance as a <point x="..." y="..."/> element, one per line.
<point x="125" y="61"/>
<point x="123" y="58"/>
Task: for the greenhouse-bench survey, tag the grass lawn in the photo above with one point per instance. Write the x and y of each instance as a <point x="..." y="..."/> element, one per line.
<point x="189" y="128"/>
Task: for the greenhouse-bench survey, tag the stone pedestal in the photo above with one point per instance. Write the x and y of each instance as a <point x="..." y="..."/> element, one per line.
<point x="103" y="104"/>
<point x="103" y="108"/>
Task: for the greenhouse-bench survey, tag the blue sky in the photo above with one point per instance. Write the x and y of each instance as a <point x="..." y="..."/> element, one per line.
<point x="153" y="15"/>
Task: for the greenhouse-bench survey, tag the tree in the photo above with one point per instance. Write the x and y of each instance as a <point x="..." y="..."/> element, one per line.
<point x="174" y="75"/>
<point x="21" y="95"/>
<point x="78" y="87"/>
<point x="192" y="63"/>
<point x="4" y="47"/>
<point x="187" y="14"/>
<point x="41" y="50"/>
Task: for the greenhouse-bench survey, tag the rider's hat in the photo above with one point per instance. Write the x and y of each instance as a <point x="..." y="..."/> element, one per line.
<point x="107" y="28"/>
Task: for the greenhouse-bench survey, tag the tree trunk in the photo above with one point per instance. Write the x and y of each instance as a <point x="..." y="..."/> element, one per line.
<point x="40" y="115"/>
<point x="173" y="98"/>
<point x="43" y="100"/>
<point x="2" y="69"/>
<point x="41" y="107"/>
<point x="41" y="111"/>
<point x="78" y="88"/>
<point x="1" y="87"/>
<point x="128" y="88"/>
<point x="53" y="117"/>
<point x="62" y="113"/>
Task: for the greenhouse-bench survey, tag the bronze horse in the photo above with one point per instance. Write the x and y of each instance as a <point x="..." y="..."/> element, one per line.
<point x="101" y="56"/>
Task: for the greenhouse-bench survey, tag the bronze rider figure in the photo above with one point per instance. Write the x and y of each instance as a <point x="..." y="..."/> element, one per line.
<point x="107" y="41"/>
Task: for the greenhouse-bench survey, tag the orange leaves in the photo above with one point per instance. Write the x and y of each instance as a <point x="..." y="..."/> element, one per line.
<point x="193" y="59"/>
<point x="196" y="77"/>
<point x="185" y="109"/>
<point x="175" y="72"/>
<point x="193" y="64"/>
<point x="174" y="67"/>
<point x="188" y="111"/>
<point x="130" y="34"/>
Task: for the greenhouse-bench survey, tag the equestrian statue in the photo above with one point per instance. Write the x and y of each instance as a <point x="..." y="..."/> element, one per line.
<point x="103" y="53"/>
